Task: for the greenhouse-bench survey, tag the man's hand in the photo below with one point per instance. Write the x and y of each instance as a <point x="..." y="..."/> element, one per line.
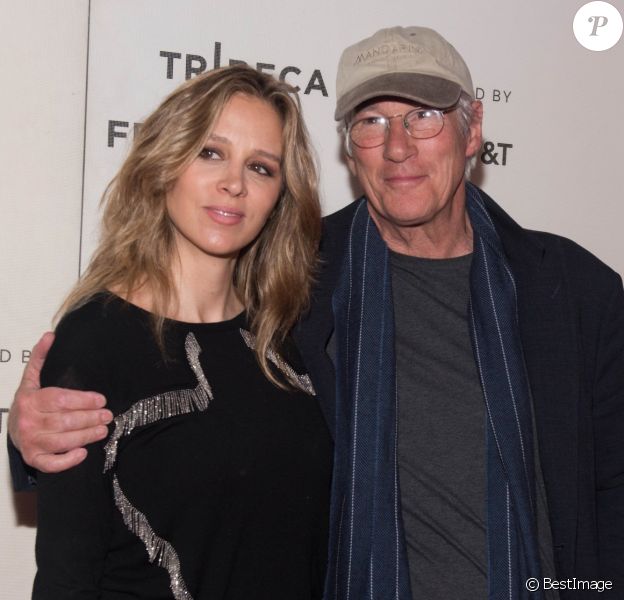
<point x="50" y="426"/>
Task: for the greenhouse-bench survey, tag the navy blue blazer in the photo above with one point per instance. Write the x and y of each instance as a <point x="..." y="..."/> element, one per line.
<point x="571" y="312"/>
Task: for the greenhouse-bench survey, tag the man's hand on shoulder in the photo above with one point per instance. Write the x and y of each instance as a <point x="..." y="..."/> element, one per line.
<point x="51" y="426"/>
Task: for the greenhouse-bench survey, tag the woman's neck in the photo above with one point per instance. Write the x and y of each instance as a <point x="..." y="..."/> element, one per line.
<point x="203" y="290"/>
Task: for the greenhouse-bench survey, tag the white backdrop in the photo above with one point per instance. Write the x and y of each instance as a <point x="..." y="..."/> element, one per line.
<point x="552" y="119"/>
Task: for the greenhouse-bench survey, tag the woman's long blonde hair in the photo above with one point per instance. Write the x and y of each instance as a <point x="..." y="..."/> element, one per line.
<point x="273" y="274"/>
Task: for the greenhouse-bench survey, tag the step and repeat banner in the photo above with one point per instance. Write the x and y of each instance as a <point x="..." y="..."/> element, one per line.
<point x="79" y="76"/>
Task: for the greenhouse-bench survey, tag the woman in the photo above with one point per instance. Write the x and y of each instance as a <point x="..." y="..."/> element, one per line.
<point x="214" y="481"/>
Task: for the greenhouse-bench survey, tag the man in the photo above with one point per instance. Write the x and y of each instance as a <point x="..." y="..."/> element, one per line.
<point x="478" y="405"/>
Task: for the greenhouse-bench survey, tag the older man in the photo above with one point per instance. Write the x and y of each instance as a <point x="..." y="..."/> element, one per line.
<point x="478" y="403"/>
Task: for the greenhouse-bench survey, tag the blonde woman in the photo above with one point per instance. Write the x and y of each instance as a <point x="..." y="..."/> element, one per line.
<point x="214" y="479"/>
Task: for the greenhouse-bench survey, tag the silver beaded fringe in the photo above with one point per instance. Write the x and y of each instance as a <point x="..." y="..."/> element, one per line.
<point x="162" y="406"/>
<point x="158" y="549"/>
<point x="303" y="382"/>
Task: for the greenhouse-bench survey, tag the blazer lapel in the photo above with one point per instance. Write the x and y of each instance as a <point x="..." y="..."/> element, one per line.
<point x="551" y="356"/>
<point x="311" y="335"/>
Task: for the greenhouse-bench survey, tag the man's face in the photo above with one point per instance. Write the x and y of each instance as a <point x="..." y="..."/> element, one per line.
<point x="414" y="183"/>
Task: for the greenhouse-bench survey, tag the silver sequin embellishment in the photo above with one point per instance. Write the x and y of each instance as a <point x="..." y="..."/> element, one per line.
<point x="162" y="406"/>
<point x="303" y="382"/>
<point x="158" y="549"/>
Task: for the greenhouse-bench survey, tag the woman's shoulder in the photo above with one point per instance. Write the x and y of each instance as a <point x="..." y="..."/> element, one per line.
<point x="101" y="316"/>
<point x="87" y="339"/>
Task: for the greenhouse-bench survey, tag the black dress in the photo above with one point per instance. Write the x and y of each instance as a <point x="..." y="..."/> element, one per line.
<point x="213" y="483"/>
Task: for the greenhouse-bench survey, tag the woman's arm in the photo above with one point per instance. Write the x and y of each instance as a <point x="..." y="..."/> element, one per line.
<point x="75" y="506"/>
<point x="50" y="426"/>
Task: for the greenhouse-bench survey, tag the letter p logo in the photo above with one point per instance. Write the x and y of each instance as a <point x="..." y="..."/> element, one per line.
<point x="598" y="22"/>
<point x="597" y="26"/>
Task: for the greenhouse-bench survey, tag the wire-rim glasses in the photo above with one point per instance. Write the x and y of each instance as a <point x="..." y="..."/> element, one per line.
<point x="420" y="123"/>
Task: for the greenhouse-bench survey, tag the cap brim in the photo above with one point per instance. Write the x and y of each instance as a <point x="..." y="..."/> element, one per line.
<point x="428" y="89"/>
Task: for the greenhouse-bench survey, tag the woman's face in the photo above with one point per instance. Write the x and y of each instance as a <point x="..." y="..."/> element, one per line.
<point x="221" y="202"/>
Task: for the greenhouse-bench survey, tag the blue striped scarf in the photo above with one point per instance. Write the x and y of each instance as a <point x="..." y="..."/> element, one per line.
<point x="367" y="556"/>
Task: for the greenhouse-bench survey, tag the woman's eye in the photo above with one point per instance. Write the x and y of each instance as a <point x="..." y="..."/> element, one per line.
<point x="208" y="153"/>
<point x="261" y="169"/>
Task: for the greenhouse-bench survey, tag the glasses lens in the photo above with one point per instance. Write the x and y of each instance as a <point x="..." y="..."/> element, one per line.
<point x="424" y="122"/>
<point x="369" y="132"/>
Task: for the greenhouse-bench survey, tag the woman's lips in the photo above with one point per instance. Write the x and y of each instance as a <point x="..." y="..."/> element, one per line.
<point x="224" y="216"/>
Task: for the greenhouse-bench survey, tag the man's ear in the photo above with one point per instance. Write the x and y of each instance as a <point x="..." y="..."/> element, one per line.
<point x="351" y="165"/>
<point x="475" y="130"/>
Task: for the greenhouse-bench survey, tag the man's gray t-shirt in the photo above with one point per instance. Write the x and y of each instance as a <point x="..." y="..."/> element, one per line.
<point x="442" y="458"/>
<point x="441" y="429"/>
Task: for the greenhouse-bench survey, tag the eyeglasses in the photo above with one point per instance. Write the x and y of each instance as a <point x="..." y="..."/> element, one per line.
<point x="420" y="123"/>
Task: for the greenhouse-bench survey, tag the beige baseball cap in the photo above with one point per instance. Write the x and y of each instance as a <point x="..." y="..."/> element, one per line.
<point x="415" y="63"/>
